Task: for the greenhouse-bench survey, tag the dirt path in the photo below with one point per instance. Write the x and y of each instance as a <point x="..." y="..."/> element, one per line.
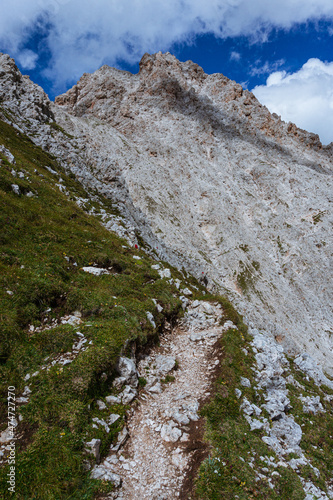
<point x="164" y="425"/>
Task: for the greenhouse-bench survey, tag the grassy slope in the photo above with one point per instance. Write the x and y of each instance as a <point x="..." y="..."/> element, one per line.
<point x="37" y="234"/>
<point x="226" y="473"/>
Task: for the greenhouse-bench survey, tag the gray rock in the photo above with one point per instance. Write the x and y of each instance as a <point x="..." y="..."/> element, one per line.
<point x="245" y="382"/>
<point x="196" y="336"/>
<point x="102" y="423"/>
<point x="193" y="406"/>
<point x="170" y="433"/>
<point x="128" y="395"/>
<point x="181" y="418"/>
<point x="277" y="403"/>
<point x="127" y="369"/>
<point x="101" y="405"/>
<point x="164" y="364"/>
<point x="7" y="154"/>
<point x="26" y="391"/>
<point x="238" y="393"/>
<point x="164" y="273"/>
<point x="312" y="404"/>
<point x="250" y="409"/>
<point x="16" y="189"/>
<point x="288" y="432"/>
<point x="93" y="447"/>
<point x="113" y="418"/>
<point x="156" y="388"/>
<point x="296" y="463"/>
<point x="151" y="319"/>
<point x="22" y="400"/>
<point x="254" y="423"/>
<point x="119" y="382"/>
<point x="195" y="303"/>
<point x="185" y="301"/>
<point x="308" y="365"/>
<point x="97" y="271"/>
<point x="122" y="437"/>
<point x="229" y="325"/>
<point x="193" y="416"/>
<point x="6" y="436"/>
<point x="113" y="400"/>
<point x="191" y="410"/>
<point x="112" y="460"/>
<point x="104" y="474"/>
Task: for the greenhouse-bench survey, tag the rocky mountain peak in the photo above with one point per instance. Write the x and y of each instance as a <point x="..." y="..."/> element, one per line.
<point x="20" y="96"/>
<point x="165" y="83"/>
<point x="161" y="65"/>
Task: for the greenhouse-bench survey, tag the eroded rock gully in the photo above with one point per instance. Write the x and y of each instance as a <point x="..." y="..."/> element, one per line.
<point x="164" y="423"/>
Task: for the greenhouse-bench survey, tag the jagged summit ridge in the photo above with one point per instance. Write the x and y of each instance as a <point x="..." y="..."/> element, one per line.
<point x="163" y="75"/>
<point x="215" y="183"/>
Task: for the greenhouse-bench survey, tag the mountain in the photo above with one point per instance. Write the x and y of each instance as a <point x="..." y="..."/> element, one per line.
<point x="202" y="177"/>
<point x="212" y="181"/>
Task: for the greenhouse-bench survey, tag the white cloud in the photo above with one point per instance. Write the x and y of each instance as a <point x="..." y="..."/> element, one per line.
<point x="27" y="59"/>
<point x="263" y="69"/>
<point x="304" y="97"/>
<point x="82" y="35"/>
<point x="235" y="56"/>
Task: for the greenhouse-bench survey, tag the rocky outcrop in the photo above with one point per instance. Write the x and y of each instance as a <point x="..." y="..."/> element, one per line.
<point x="20" y="96"/>
<point x="213" y="183"/>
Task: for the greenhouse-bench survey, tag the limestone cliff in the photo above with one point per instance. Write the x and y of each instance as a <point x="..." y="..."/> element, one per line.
<point x="211" y="180"/>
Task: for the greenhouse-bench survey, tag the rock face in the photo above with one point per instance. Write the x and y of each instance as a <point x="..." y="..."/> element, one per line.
<point x="209" y="178"/>
<point x="21" y="96"/>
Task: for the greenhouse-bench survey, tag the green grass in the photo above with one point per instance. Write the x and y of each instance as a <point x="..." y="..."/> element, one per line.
<point x="167" y="379"/>
<point x="42" y="239"/>
<point x="317" y="440"/>
<point x="247" y="276"/>
<point x="57" y="127"/>
<point x="227" y="473"/>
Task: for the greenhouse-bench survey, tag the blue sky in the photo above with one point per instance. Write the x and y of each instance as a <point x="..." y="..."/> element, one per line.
<point x="282" y="50"/>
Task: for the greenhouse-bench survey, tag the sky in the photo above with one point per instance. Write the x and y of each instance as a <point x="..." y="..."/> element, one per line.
<point x="279" y="49"/>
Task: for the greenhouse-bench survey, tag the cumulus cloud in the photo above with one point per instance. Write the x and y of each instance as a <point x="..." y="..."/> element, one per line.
<point x="27" y="59"/>
<point x="235" y="56"/>
<point x="304" y="97"/>
<point x="81" y="35"/>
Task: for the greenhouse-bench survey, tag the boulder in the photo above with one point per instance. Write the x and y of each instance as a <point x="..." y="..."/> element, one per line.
<point x="128" y="395"/>
<point x="127" y="369"/>
<point x="104" y="474"/>
<point x="164" y="364"/>
<point x="170" y="433"/>
<point x="93" y="447"/>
